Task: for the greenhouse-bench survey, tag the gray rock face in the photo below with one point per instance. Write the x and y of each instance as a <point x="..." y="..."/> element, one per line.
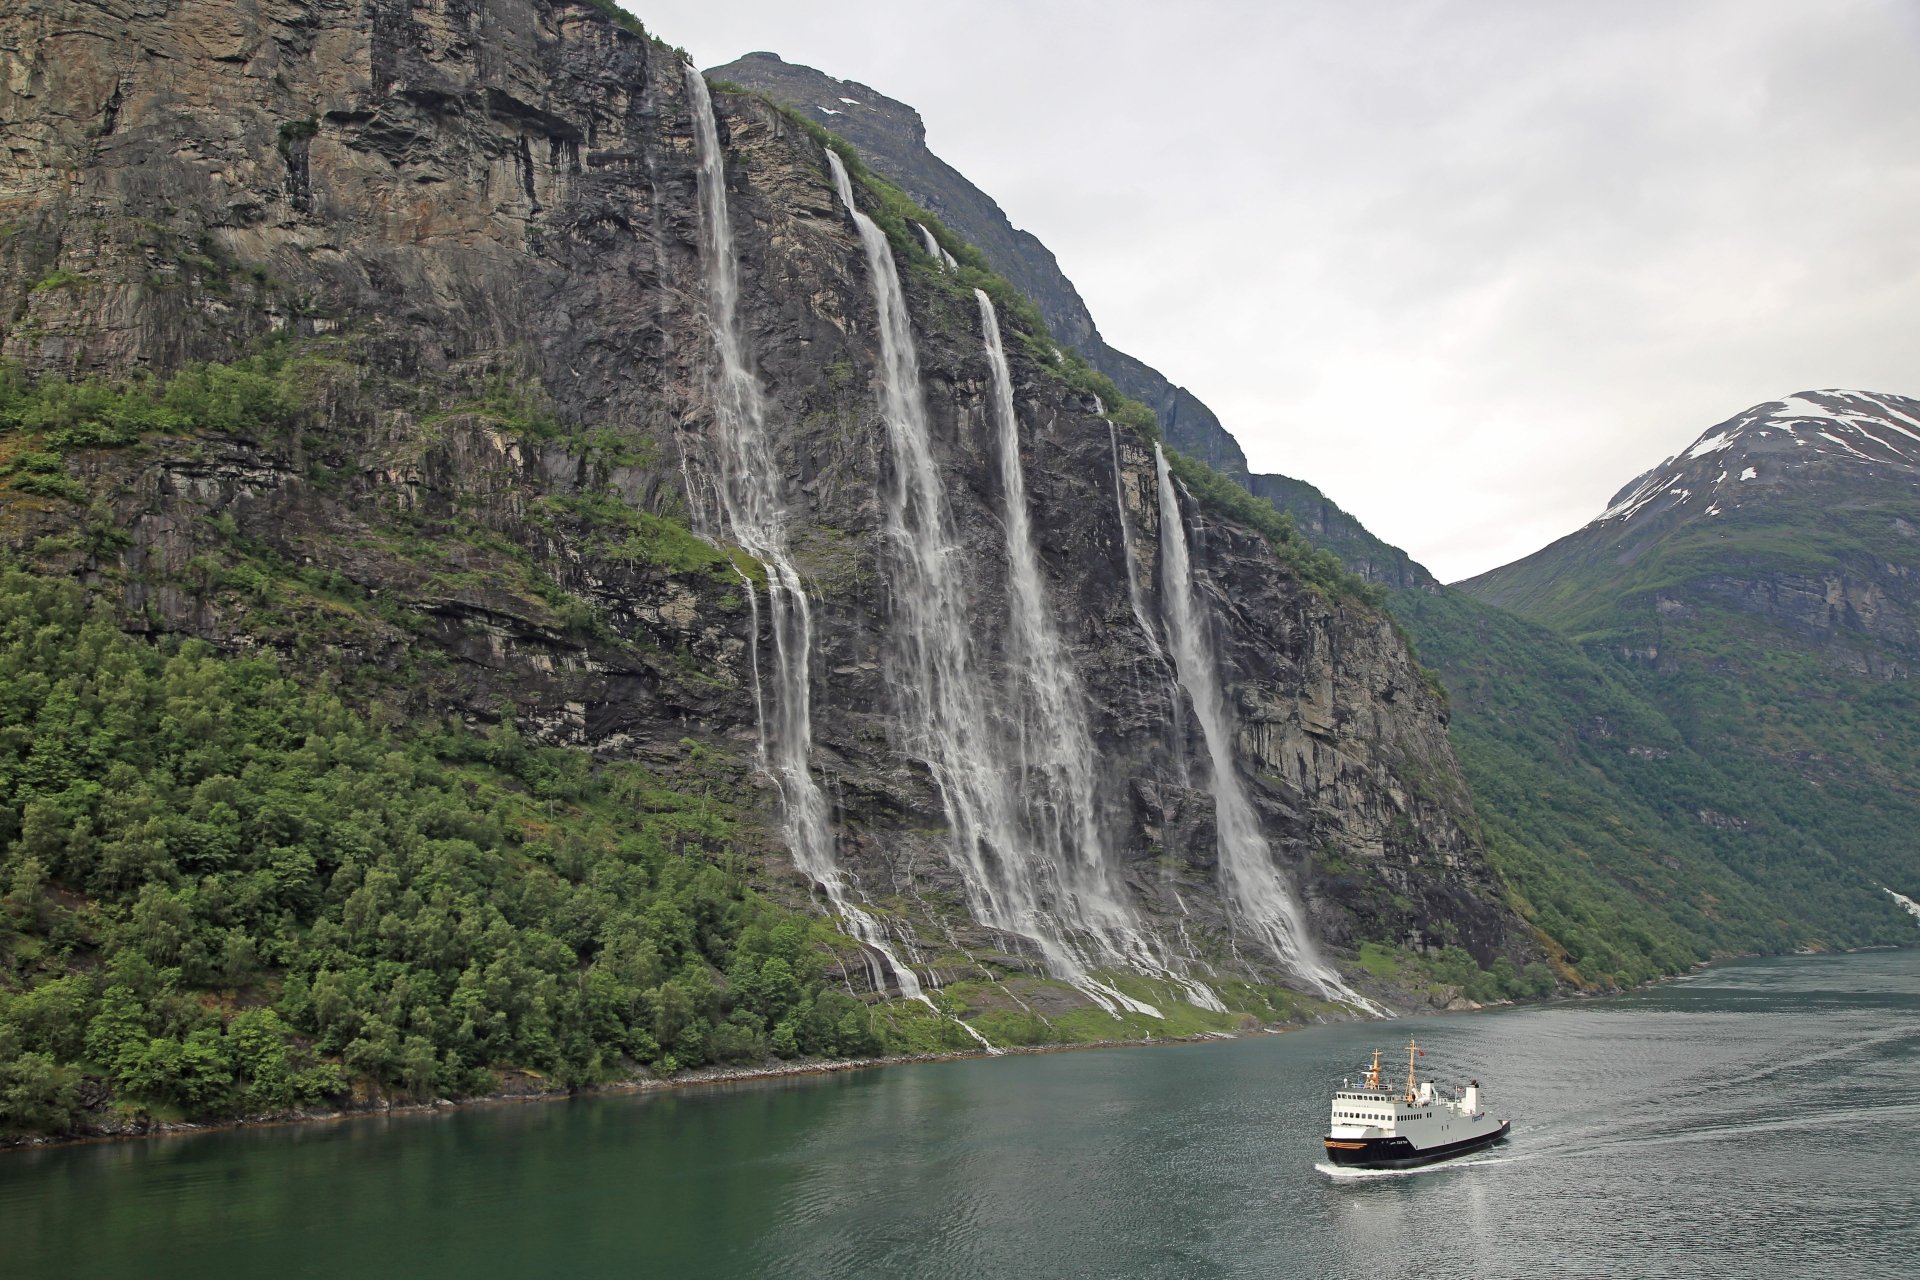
<point x="892" y="138"/>
<point x="476" y="221"/>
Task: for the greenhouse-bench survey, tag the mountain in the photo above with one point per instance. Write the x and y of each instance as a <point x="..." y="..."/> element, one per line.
<point x="1685" y="724"/>
<point x="1633" y="846"/>
<point x="1329" y="526"/>
<point x="522" y="572"/>
<point x="1758" y="589"/>
<point x="1797" y="516"/>
<point x="892" y="138"/>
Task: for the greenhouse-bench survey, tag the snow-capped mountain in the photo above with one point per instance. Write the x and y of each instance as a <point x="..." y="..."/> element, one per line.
<point x="1753" y="454"/>
<point x="1801" y="515"/>
<point x="1750" y="612"/>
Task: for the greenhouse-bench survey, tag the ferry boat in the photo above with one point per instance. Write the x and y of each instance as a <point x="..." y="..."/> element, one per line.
<point x="1376" y="1128"/>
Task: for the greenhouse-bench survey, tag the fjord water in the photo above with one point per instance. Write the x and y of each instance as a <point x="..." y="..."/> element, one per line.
<point x="1757" y="1120"/>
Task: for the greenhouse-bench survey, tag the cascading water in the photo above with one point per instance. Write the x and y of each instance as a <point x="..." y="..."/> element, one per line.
<point x="949" y="719"/>
<point x="1168" y="682"/>
<point x="1055" y="748"/>
<point x="756" y="515"/>
<point x="1255" y="892"/>
<point x="1126" y="550"/>
<point x="1911" y="907"/>
<point x="935" y="249"/>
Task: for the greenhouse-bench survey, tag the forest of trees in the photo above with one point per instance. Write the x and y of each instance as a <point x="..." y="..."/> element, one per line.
<point x="225" y="894"/>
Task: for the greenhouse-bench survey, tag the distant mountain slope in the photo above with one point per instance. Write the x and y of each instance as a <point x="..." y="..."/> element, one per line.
<point x="1801" y="515"/>
<point x="1323" y="520"/>
<point x="1637" y="842"/>
<point x="1762" y="589"/>
<point x="892" y="138"/>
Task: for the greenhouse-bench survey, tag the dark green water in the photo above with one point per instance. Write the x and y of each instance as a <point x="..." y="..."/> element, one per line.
<point x="1760" y="1120"/>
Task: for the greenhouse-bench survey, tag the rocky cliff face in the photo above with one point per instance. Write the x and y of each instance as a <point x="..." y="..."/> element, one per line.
<point x="468" y="233"/>
<point x="893" y="139"/>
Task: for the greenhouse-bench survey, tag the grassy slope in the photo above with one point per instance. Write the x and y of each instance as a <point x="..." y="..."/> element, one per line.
<point x="1560" y="753"/>
<point x="1599" y="586"/>
<point x="1749" y="746"/>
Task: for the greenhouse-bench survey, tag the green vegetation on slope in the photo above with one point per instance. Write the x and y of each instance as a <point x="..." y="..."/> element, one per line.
<point x="1632" y="851"/>
<point x="1600" y="586"/>
<point x="224" y="893"/>
<point x="258" y="394"/>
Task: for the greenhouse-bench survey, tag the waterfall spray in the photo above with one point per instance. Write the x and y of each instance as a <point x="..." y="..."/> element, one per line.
<point x="1256" y="893"/>
<point x="756" y="516"/>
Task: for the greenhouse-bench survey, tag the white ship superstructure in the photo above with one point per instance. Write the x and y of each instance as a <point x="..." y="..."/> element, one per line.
<point x="1375" y="1127"/>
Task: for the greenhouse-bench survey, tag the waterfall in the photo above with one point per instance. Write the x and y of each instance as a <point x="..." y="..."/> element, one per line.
<point x="755" y="511"/>
<point x="950" y="719"/>
<point x="1126" y="548"/>
<point x="935" y="250"/>
<point x="1908" y="904"/>
<point x="1055" y="746"/>
<point x="1166" y="682"/>
<point x="1256" y="893"/>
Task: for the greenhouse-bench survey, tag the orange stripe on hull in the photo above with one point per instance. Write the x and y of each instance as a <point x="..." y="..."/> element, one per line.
<point x="1345" y="1146"/>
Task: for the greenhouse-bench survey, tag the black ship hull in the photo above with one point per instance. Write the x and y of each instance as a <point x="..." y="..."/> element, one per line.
<point x="1398" y="1153"/>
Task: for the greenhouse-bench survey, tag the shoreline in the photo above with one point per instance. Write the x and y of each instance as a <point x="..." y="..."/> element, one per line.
<point x="708" y="1077"/>
<point x="696" y="1078"/>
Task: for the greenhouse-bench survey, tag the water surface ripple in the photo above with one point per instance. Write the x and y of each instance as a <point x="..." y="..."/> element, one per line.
<point x="1757" y="1120"/>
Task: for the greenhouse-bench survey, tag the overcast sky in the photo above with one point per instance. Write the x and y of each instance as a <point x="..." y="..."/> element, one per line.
<point x="1467" y="265"/>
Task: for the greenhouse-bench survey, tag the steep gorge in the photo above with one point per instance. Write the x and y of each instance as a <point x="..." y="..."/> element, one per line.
<point x="545" y="306"/>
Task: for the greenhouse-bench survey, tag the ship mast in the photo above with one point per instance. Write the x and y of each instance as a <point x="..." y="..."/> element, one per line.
<point x="1373" y="1072"/>
<point x="1411" y="1049"/>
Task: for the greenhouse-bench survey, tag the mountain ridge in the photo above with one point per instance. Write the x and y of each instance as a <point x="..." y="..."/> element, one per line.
<point x="892" y="137"/>
<point x="382" y="402"/>
<point x="1841" y="580"/>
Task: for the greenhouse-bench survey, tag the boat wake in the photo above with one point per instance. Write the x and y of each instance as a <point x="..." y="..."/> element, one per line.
<point x="1351" y="1173"/>
<point x="1340" y="1174"/>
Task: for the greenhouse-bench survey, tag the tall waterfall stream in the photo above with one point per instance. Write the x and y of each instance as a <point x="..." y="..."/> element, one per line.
<point x="1013" y="760"/>
<point x="1255" y="891"/>
<point x="756" y="514"/>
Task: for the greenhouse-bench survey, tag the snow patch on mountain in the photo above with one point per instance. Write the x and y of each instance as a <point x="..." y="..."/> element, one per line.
<point x="1806" y="429"/>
